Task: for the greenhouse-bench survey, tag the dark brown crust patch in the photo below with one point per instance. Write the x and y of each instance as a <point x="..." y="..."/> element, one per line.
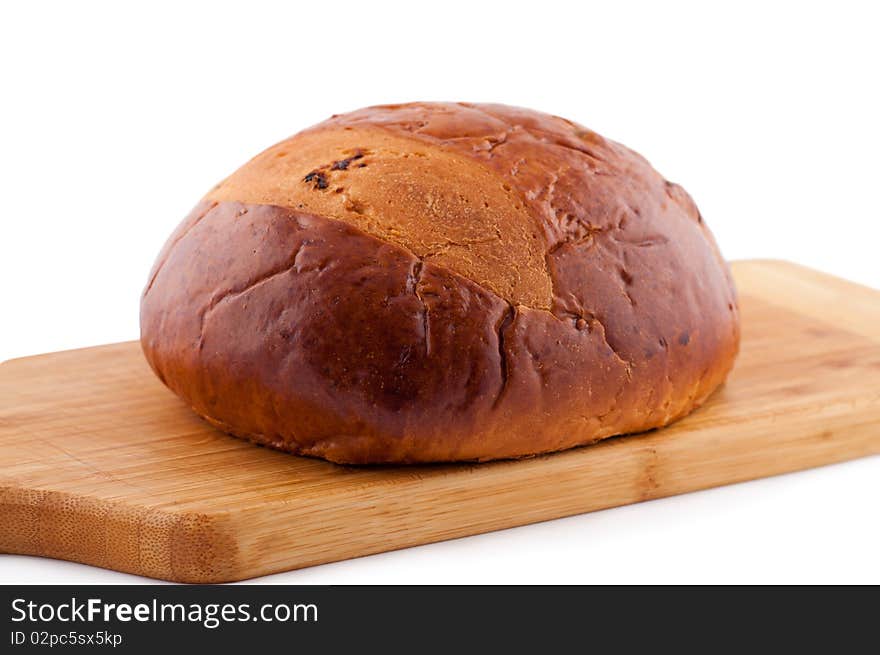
<point x="317" y="178"/>
<point x="343" y="164"/>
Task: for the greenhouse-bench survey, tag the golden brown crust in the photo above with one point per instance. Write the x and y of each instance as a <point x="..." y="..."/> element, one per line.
<point x="519" y="286"/>
<point x="440" y="204"/>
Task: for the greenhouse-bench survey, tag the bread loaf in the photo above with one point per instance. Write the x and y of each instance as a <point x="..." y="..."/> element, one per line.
<point x="436" y="282"/>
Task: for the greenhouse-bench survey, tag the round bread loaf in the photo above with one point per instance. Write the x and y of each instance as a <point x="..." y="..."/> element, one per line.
<point x="436" y="282"/>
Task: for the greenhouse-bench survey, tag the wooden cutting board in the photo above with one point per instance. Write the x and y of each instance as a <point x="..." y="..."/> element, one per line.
<point x="99" y="463"/>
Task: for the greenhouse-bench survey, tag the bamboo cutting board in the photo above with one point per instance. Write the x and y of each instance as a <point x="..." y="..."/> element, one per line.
<point x="100" y="464"/>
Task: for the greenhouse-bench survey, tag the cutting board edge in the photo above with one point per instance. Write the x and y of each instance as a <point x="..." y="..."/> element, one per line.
<point x="192" y="547"/>
<point x="210" y="547"/>
<point x="812" y="293"/>
<point x="72" y="351"/>
<point x="646" y="482"/>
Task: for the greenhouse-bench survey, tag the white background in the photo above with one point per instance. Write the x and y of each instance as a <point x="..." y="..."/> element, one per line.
<point x="115" y="120"/>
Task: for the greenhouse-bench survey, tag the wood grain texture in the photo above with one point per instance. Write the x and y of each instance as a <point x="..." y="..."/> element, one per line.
<point x="100" y="464"/>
